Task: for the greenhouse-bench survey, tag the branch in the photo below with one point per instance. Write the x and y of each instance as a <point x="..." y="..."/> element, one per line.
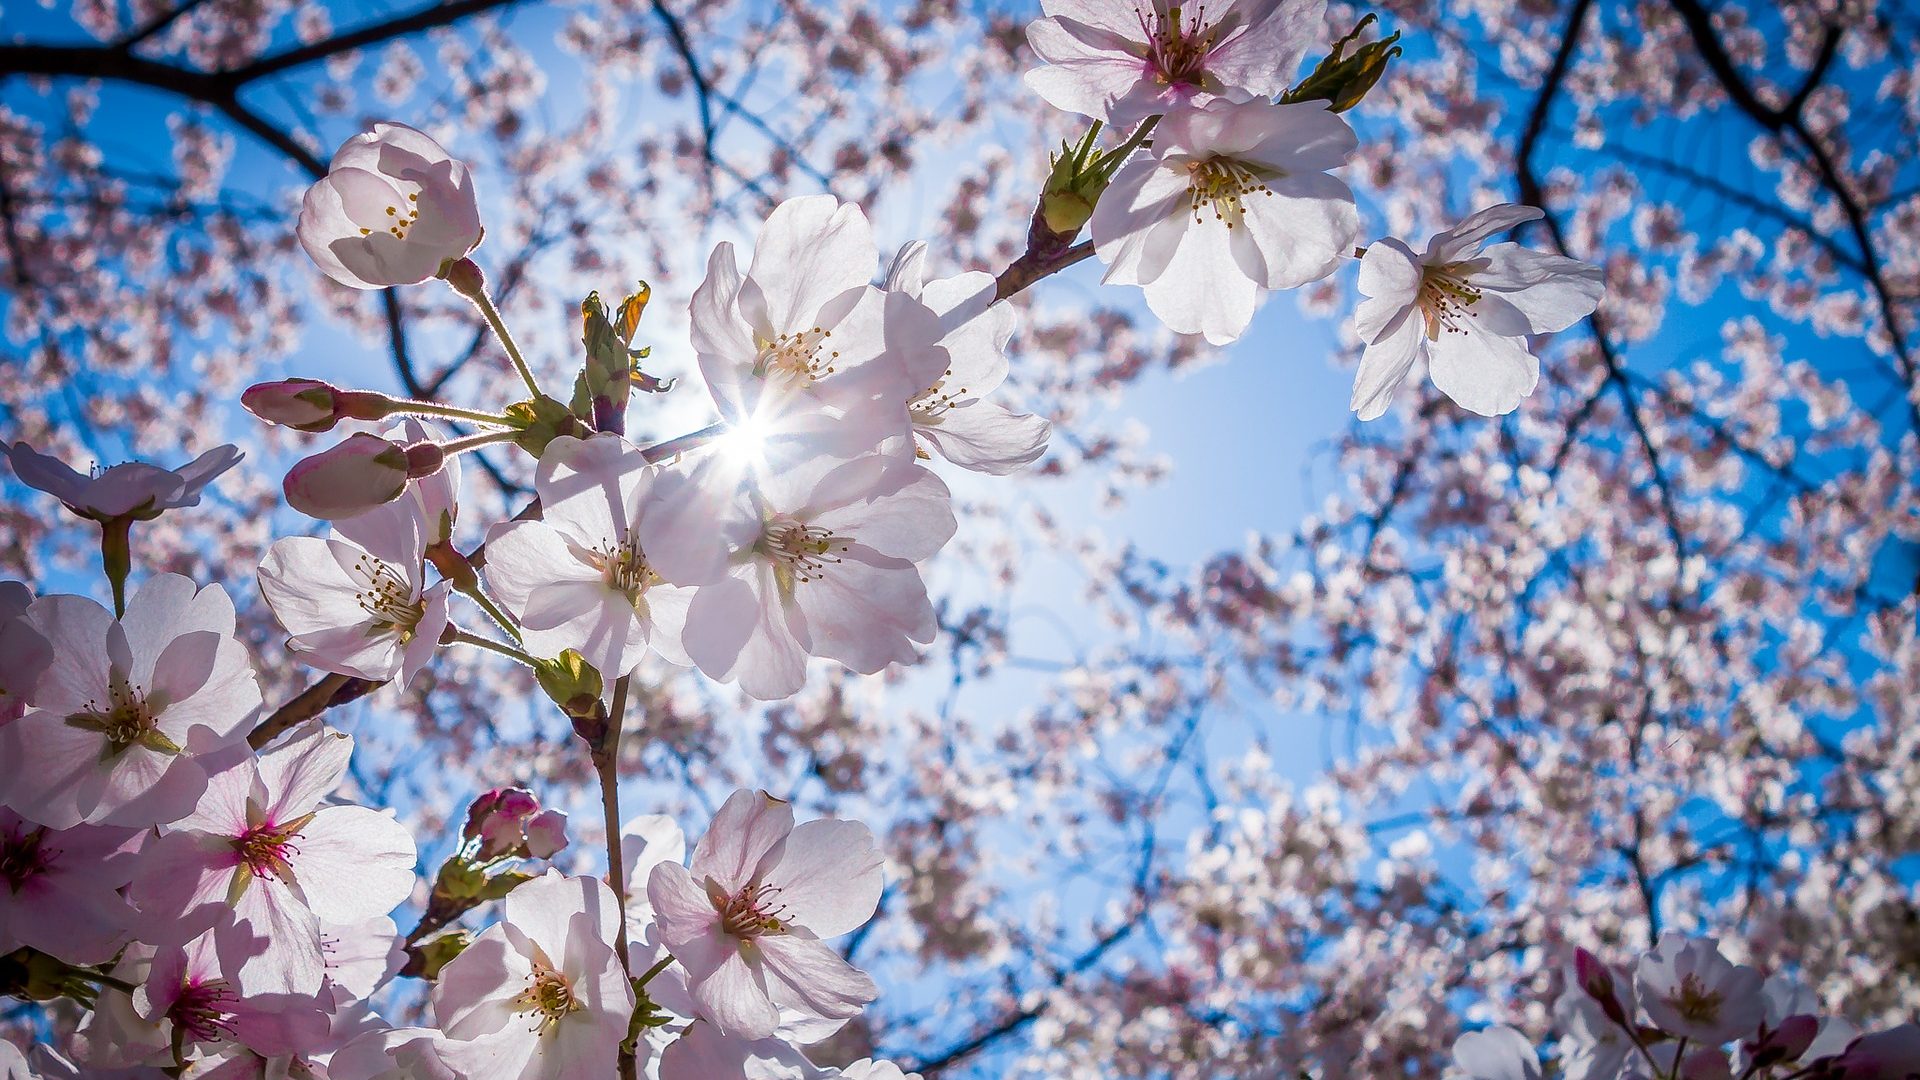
<point x="424" y="19"/>
<point x="703" y="91"/>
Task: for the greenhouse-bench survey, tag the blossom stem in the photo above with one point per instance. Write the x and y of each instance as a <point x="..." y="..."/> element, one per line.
<point x="116" y="558"/>
<point x="475" y="290"/>
<point x="690" y="441"/>
<point x="453" y="412"/>
<point x="476" y="441"/>
<point x="457" y="636"/>
<point x="606" y="759"/>
<point x="500" y="618"/>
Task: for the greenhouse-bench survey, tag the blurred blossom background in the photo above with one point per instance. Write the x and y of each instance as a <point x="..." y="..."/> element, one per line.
<point x="1254" y="739"/>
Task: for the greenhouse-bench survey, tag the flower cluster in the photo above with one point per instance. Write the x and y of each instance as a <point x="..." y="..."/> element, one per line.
<point x="1686" y="1012"/>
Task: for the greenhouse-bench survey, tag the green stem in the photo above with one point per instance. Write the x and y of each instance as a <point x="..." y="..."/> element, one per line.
<point x="476" y="441"/>
<point x="461" y="637"/>
<point x="494" y="611"/>
<point x="452" y="412"/>
<point x="606" y="763"/>
<point x="116" y="558"/>
<point x="492" y="314"/>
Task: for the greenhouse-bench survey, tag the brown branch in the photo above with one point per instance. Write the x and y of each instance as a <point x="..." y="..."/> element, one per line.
<point x="703" y="91"/>
<point x="327" y="693"/>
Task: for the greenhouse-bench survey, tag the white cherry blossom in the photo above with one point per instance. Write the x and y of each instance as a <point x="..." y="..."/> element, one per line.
<point x="579" y="578"/>
<point x="1689" y="989"/>
<point x="802" y="350"/>
<point x="357" y="603"/>
<point x="1232" y="199"/>
<point x="1498" y="1053"/>
<point x="116" y="726"/>
<point x="24" y="654"/>
<point x="749" y="919"/>
<point x="393" y="208"/>
<point x="132" y="489"/>
<point x="1125" y="60"/>
<point x="1468" y="308"/>
<point x="953" y="416"/>
<point x="824" y="566"/>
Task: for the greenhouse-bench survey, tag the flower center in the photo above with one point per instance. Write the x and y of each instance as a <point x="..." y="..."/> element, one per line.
<point x="22" y="857"/>
<point x="204" y="1010"/>
<point x="1221" y="183"/>
<point x="1177" y="47"/>
<point x="126" y="718"/>
<point x="796" y="357"/>
<point x="799" y="551"/>
<point x="265" y="849"/>
<point x="928" y="404"/>
<point x="548" y="996"/>
<point x="399" y="224"/>
<point x="388" y="598"/>
<point x="1696" y="1002"/>
<point x="624" y="566"/>
<point x="748" y="913"/>
<point x="1446" y="299"/>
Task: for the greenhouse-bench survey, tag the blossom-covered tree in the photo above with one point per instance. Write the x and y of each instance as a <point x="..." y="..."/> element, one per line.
<point x="1604" y="637"/>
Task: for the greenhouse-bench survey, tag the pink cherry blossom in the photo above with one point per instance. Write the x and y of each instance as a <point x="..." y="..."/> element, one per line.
<point x="59" y="889"/>
<point x="132" y="489"/>
<point x="393" y="208"/>
<point x="1893" y="1054"/>
<point x="118" y="723"/>
<point x="190" y="992"/>
<point x="825" y="567"/>
<point x="1123" y="61"/>
<point x="1689" y="989"/>
<point x="704" y="1051"/>
<point x="262" y="860"/>
<point x="579" y="578"/>
<point x="953" y="416"/>
<point x="1468" y="309"/>
<point x="546" y="833"/>
<point x="1233" y="199"/>
<point x="803" y="352"/>
<point x="539" y="995"/>
<point x="749" y="921"/>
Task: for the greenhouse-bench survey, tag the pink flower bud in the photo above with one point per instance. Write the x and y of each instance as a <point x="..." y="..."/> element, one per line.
<point x="425" y="459"/>
<point x="1596" y="979"/>
<point x="351" y="478"/>
<point x="517" y="803"/>
<point x="478" y="813"/>
<point x="546" y="834"/>
<point x="1787" y="1041"/>
<point x="301" y="404"/>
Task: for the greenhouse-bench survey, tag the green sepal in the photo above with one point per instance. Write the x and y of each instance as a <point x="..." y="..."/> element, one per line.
<point x="1343" y="81"/>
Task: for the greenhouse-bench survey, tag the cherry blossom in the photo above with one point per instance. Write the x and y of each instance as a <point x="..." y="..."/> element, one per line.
<point x="1468" y="308"/>
<point x="646" y="842"/>
<point x="703" y="1051"/>
<point x="393" y="209"/>
<point x="190" y="994"/>
<point x="117" y="725"/>
<point x="394" y="1054"/>
<point x="824" y="567"/>
<point x="1498" y="1053"/>
<point x="1233" y="199"/>
<point x="132" y="489"/>
<point x="749" y="920"/>
<point x="359" y="608"/>
<point x="59" y="889"/>
<point x="24" y="654"/>
<point x="802" y="351"/>
<point x="1689" y="989"/>
<point x="539" y="994"/>
<point x="579" y="578"/>
<point x="1124" y="61"/>
<point x="953" y="416"/>
<point x="262" y="862"/>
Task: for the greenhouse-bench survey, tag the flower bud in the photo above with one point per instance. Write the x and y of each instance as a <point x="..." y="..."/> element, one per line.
<point x="301" y="404"/>
<point x="350" y="478"/>
<point x="1786" y="1042"/>
<point x="1596" y="979"/>
<point x="546" y="834"/>
<point x="1343" y="81"/>
<point x="424" y="459"/>
<point x="571" y="682"/>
